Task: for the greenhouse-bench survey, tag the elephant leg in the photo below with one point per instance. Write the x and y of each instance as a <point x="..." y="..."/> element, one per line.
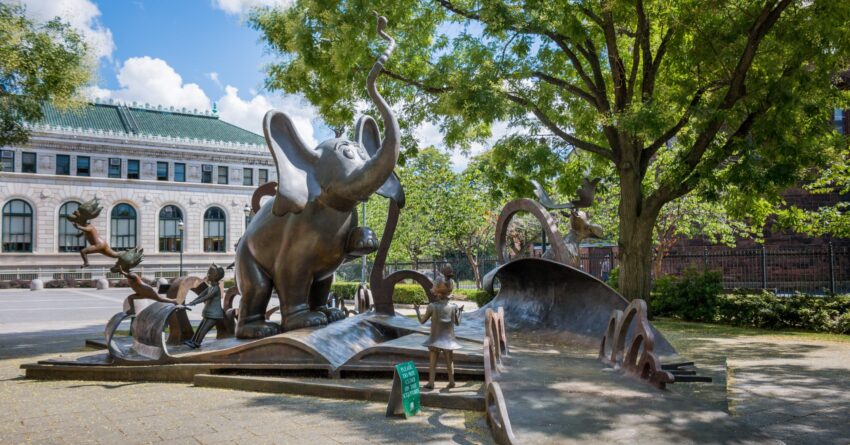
<point x="319" y="299"/>
<point x="294" y="293"/>
<point x="255" y="287"/>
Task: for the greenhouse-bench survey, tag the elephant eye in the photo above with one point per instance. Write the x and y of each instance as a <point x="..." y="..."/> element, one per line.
<point x="348" y="152"/>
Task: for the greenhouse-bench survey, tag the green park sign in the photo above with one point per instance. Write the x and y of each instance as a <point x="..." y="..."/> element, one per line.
<point x="404" y="396"/>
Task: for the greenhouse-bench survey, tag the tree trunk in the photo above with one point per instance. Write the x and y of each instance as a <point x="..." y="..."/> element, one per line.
<point x="636" y="225"/>
<point x="473" y="263"/>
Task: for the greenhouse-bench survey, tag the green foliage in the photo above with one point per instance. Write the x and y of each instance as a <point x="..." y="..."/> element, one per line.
<point x="692" y="297"/>
<point x="480" y="297"/>
<point x="730" y="98"/>
<point x="614" y="278"/>
<point x="38" y="62"/>
<point x="407" y="293"/>
<point x="696" y="297"/>
<point x="799" y="311"/>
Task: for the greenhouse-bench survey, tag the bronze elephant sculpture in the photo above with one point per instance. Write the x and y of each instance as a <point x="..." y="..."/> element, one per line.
<point x="296" y="241"/>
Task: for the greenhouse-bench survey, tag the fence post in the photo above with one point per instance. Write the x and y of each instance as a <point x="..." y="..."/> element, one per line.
<point x="831" y="269"/>
<point x="763" y="267"/>
<point x="705" y="257"/>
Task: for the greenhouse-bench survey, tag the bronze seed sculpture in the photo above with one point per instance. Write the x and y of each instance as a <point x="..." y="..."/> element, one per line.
<point x="81" y="219"/>
<point x="213" y="312"/>
<point x="444" y="316"/>
<point x="297" y="240"/>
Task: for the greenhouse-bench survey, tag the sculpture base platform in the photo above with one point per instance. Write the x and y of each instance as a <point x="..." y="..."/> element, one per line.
<point x="366" y="344"/>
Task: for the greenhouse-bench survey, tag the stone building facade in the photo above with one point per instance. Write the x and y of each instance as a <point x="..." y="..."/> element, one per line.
<point x="150" y="169"/>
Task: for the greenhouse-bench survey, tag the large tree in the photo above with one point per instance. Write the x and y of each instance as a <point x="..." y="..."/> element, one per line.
<point x="724" y="95"/>
<point x="38" y="63"/>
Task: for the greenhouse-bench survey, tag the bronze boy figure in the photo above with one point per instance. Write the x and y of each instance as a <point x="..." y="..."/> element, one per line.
<point x="81" y="219"/>
<point x="444" y="316"/>
<point x="213" y="312"/>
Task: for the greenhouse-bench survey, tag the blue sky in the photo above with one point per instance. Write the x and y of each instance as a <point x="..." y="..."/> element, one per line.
<point x="193" y="36"/>
<point x="193" y="54"/>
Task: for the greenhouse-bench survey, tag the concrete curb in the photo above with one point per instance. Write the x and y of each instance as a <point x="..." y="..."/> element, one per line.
<point x="274" y="385"/>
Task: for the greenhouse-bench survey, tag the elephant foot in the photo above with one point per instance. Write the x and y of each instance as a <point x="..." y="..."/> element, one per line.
<point x="304" y="319"/>
<point x="257" y="329"/>
<point x="333" y="314"/>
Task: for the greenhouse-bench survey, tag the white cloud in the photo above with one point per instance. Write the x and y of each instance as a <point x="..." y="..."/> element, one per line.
<point x="83" y="15"/>
<point x="147" y="80"/>
<point x="248" y="114"/>
<point x="429" y="134"/>
<point x="241" y="7"/>
<point x="153" y="81"/>
<point x="214" y="77"/>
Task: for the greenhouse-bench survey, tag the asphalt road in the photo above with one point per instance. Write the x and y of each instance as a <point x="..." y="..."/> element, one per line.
<point x="22" y="310"/>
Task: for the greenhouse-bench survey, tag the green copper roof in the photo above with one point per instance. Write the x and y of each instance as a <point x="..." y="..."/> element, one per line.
<point x="145" y="121"/>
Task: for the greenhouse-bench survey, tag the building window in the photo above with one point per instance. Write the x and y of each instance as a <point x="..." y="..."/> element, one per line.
<point x="63" y="165"/>
<point x="264" y="176"/>
<point x="83" y="166"/>
<point x="169" y="233"/>
<point x="114" y="167"/>
<point x="28" y="163"/>
<point x="222" y="175"/>
<point x="206" y="173"/>
<point x="215" y="229"/>
<point x="17" y="226"/>
<point x="162" y="171"/>
<point x="179" y="172"/>
<point x="69" y="241"/>
<point x="123" y="227"/>
<point x="247" y="176"/>
<point x="838" y="120"/>
<point x="7" y="161"/>
<point x="132" y="169"/>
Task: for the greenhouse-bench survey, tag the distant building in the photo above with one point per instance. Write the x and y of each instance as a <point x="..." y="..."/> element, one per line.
<point x="150" y="169"/>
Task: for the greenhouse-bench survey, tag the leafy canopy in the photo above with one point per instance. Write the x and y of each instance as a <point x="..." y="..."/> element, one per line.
<point x="38" y="62"/>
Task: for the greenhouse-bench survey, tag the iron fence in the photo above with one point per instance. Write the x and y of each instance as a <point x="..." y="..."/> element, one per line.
<point x="816" y="269"/>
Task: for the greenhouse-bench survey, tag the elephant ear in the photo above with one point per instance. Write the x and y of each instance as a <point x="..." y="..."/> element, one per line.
<point x="369" y="137"/>
<point x="296" y="164"/>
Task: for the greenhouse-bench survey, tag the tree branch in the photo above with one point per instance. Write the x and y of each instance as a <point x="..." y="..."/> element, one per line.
<point x="420" y="85"/>
<point x="546" y="121"/>
<point x="563" y="84"/>
<point x="650" y="150"/>
<point x="618" y="69"/>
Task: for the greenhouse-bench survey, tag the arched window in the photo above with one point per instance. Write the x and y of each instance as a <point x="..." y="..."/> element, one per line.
<point x="69" y="239"/>
<point x="123" y="227"/>
<point x="17" y="226"/>
<point x="215" y="229"/>
<point x="169" y="233"/>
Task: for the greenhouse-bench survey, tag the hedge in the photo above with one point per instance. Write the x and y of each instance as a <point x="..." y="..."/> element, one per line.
<point x="696" y="296"/>
<point x="408" y="293"/>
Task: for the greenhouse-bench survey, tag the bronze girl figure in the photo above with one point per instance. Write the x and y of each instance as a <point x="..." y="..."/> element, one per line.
<point x="444" y="316"/>
<point x="213" y="312"/>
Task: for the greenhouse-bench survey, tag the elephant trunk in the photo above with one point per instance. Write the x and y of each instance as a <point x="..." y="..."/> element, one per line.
<point x="379" y="167"/>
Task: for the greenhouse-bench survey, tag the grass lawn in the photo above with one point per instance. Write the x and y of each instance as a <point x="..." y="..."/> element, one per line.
<point x="679" y="328"/>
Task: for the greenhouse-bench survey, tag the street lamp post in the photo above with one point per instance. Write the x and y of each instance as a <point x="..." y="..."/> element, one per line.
<point x="247" y="211"/>
<point x="180" y="227"/>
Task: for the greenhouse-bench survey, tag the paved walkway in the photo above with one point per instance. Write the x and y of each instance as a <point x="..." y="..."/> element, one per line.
<point x="557" y="397"/>
<point x="796" y="390"/>
<point x="77" y="412"/>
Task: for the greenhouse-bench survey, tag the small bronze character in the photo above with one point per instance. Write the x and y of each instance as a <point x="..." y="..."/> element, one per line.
<point x="444" y="316"/>
<point x="213" y="312"/>
<point x="141" y="290"/>
<point x="81" y="219"/>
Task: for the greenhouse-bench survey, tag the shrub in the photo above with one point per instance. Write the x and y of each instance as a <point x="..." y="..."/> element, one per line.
<point x="614" y="278"/>
<point x="56" y="284"/>
<point x="344" y="289"/>
<point x="691" y="297"/>
<point x="229" y="283"/>
<point x="409" y="293"/>
<point x="480" y="297"/>
<point x="799" y="311"/>
<point x="5" y="285"/>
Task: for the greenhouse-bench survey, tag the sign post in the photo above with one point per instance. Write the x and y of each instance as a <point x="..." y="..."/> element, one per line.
<point x="404" y="396"/>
